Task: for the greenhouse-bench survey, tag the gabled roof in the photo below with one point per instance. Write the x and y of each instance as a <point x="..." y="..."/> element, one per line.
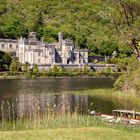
<point x="9" y="40"/>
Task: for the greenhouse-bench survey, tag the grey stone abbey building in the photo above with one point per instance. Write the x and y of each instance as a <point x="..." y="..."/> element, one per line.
<point x="33" y="51"/>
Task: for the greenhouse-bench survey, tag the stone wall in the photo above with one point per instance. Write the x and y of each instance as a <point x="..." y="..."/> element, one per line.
<point x="92" y="67"/>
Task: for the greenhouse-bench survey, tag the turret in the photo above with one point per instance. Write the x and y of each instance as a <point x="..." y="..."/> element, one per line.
<point x="21" y="46"/>
<point x="32" y="36"/>
<point x="60" y="37"/>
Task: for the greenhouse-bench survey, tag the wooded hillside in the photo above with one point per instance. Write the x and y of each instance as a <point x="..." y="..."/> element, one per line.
<point x="80" y="20"/>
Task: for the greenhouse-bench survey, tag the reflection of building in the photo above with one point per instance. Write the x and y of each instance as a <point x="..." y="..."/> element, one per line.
<point x="33" y="51"/>
<point x="29" y="105"/>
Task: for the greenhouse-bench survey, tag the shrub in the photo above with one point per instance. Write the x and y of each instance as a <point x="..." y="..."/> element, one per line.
<point x="108" y="69"/>
<point x="35" y="69"/>
<point x="54" y="69"/>
<point x="28" y="74"/>
<point x="44" y="73"/>
<point x="15" y="66"/>
<point x="85" y="70"/>
<point x="5" y="67"/>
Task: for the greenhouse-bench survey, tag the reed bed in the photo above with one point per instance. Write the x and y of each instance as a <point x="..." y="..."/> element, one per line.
<point x="125" y="100"/>
<point x="57" y="122"/>
<point x="52" y="116"/>
<point x="48" y="113"/>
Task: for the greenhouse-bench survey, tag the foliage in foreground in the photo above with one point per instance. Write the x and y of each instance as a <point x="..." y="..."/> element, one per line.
<point x="129" y="80"/>
<point x="54" y="122"/>
<point x="5" y="61"/>
<point x="85" y="133"/>
<point x="49" y="122"/>
<point x="61" y="116"/>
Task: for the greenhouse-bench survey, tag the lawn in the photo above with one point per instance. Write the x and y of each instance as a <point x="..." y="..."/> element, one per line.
<point x="86" y="133"/>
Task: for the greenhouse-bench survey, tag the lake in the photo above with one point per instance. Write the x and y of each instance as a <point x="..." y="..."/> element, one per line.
<point x="24" y="98"/>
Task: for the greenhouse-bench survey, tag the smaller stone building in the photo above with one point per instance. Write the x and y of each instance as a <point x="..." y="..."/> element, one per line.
<point x="10" y="46"/>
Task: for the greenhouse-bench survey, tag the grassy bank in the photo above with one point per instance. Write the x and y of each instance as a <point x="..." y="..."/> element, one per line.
<point x="50" y="121"/>
<point x="53" y="125"/>
<point x="125" y="99"/>
<point x="110" y="93"/>
<point x="62" y="116"/>
<point x="85" y="133"/>
<point x="68" y="74"/>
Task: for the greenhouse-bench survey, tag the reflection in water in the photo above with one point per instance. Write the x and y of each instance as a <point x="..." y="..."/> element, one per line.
<point x="25" y="98"/>
<point x="32" y="98"/>
<point x="30" y="106"/>
<point x="13" y="87"/>
<point x="46" y="105"/>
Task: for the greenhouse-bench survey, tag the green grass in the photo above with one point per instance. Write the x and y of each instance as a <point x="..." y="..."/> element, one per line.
<point x="117" y="97"/>
<point x="85" y="133"/>
<point x="67" y="121"/>
<point x="60" y="119"/>
<point x="72" y="126"/>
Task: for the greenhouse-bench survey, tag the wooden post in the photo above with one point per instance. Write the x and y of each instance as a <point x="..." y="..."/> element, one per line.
<point x="133" y="113"/>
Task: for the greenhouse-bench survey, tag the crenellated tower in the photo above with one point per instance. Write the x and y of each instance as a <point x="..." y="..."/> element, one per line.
<point x="21" y="45"/>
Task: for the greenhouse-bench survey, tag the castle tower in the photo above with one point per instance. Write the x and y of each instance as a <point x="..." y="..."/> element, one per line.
<point x="21" y="50"/>
<point x="32" y="35"/>
<point x="62" y="46"/>
<point x="60" y="38"/>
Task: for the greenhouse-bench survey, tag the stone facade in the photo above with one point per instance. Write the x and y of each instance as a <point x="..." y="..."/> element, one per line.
<point x="10" y="46"/>
<point x="33" y="51"/>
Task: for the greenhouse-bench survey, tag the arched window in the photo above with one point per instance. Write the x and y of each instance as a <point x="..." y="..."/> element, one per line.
<point x="38" y="60"/>
<point x="2" y="45"/>
<point x="10" y="46"/>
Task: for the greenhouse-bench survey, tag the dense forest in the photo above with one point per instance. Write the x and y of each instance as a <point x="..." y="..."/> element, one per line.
<point x="80" y="20"/>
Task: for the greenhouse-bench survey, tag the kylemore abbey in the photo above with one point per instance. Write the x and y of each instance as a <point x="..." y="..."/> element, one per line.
<point x="33" y="51"/>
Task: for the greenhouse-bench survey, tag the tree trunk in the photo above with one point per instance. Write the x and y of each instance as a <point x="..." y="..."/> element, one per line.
<point x="135" y="48"/>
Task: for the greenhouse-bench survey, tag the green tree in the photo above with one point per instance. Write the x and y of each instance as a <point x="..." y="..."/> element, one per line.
<point x="79" y="20"/>
<point x="125" y="17"/>
<point x="2" y="7"/>
<point x="25" y="67"/>
<point x="5" y="60"/>
<point x="54" y="69"/>
<point x="107" y="48"/>
<point x="15" y="66"/>
<point x="35" y="69"/>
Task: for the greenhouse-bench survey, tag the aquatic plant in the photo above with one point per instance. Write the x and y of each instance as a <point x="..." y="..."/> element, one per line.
<point x="51" y="117"/>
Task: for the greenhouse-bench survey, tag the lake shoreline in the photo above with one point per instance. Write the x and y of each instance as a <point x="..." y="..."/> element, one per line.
<point x="57" y="77"/>
<point x="31" y="75"/>
<point x="37" y="78"/>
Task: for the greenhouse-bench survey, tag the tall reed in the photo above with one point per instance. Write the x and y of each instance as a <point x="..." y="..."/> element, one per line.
<point x="38" y="117"/>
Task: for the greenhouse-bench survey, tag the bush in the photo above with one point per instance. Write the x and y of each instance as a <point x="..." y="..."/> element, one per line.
<point x="15" y="66"/>
<point x="5" y="67"/>
<point x="35" y="69"/>
<point x="54" y="69"/>
<point x="44" y="73"/>
<point x="85" y="70"/>
<point x="108" y="69"/>
<point x="28" y="74"/>
<point x="129" y="80"/>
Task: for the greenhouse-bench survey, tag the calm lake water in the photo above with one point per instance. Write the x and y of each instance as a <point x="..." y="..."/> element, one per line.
<point x="24" y="97"/>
